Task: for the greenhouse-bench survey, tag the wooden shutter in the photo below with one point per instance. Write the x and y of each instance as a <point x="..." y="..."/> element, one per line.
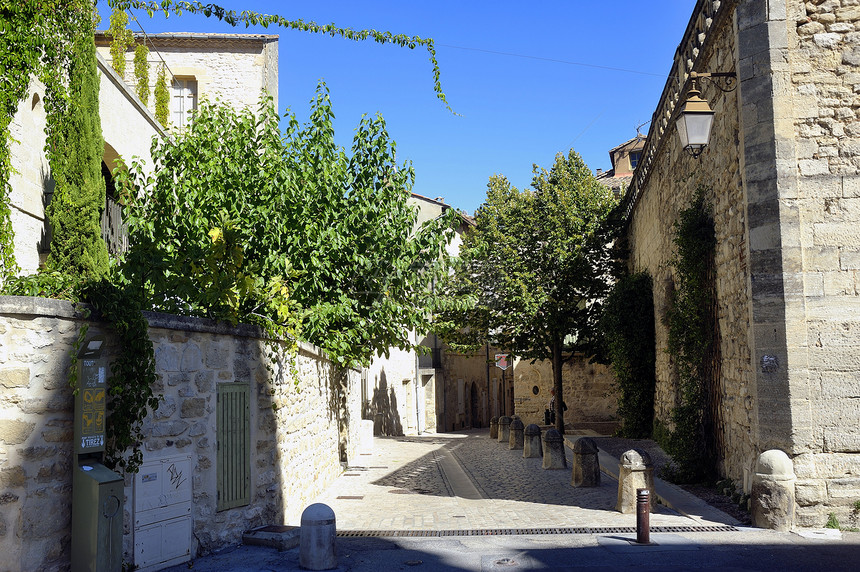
<point x="234" y="445"/>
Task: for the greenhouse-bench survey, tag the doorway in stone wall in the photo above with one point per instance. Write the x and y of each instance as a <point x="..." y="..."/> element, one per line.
<point x="475" y="418"/>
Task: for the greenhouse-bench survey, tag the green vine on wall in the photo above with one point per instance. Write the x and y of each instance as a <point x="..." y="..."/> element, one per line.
<point x="162" y="97"/>
<point x="141" y="72"/>
<point x="122" y="40"/>
<point x="628" y="328"/>
<point x="690" y="442"/>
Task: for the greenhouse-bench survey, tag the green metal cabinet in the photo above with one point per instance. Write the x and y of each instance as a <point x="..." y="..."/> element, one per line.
<point x="97" y="518"/>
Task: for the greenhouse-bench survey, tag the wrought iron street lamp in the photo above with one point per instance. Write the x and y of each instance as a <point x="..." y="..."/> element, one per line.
<point x="696" y="117"/>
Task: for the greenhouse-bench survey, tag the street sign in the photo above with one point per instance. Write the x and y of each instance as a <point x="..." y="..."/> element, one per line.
<point x="502" y="361"/>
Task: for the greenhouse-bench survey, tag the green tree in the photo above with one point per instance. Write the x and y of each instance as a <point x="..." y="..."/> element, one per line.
<point x="76" y="150"/>
<point x="240" y="223"/>
<point x="536" y="268"/>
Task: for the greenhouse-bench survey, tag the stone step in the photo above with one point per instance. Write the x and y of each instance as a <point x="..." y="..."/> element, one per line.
<point x="273" y="535"/>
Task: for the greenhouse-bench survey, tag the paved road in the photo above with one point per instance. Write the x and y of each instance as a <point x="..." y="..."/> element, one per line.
<point x="466" y="482"/>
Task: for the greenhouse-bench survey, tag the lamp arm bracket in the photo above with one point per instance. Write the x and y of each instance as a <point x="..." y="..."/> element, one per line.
<point x="727" y="78"/>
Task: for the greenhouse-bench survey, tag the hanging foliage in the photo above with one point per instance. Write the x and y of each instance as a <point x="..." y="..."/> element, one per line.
<point x="122" y="39"/>
<point x="162" y="98"/>
<point x="141" y="72"/>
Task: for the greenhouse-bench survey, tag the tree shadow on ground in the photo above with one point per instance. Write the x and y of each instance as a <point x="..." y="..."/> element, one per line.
<point x="500" y="473"/>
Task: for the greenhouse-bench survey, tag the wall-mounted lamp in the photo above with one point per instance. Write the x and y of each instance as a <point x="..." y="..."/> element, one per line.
<point x="696" y="117"/>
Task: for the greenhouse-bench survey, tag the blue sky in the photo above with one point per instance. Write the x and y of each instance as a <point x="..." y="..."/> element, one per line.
<point x="528" y="79"/>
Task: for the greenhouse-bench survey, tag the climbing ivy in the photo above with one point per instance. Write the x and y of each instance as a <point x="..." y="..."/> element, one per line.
<point x="691" y="340"/>
<point x="162" y="97"/>
<point x="122" y="39"/>
<point x="141" y="72"/>
<point x="628" y="328"/>
<point x="132" y="371"/>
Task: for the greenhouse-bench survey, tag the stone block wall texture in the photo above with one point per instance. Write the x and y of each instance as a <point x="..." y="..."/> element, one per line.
<point x="589" y="392"/>
<point x="304" y="422"/>
<point x="674" y="179"/>
<point x="782" y="174"/>
<point x="818" y="96"/>
<point x="589" y="389"/>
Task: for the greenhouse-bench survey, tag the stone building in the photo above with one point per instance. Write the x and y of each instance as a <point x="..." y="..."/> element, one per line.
<point x="782" y="177"/>
<point x="624" y="157"/>
<point x="196" y="491"/>
<point x="231" y="68"/>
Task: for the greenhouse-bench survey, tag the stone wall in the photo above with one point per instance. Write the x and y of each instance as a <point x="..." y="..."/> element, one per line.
<point x="465" y="376"/>
<point x="304" y="423"/>
<point x="672" y="182"/>
<point x="822" y="98"/>
<point x="783" y="175"/>
<point x="589" y="392"/>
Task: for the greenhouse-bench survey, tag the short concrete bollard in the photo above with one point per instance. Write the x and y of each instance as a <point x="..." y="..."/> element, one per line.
<point x="531" y="442"/>
<point x="494" y="428"/>
<point x="504" y="429"/>
<point x="553" y="450"/>
<point x="586" y="466"/>
<point x="515" y="440"/>
<point x="772" y="496"/>
<point x="317" y="538"/>
<point x="635" y="471"/>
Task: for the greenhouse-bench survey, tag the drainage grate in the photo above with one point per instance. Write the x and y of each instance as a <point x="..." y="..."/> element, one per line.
<point x="350" y="497"/>
<point x="526" y="531"/>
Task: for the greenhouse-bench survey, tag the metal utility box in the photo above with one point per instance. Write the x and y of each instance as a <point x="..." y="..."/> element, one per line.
<point x="97" y="515"/>
<point x="162" y="513"/>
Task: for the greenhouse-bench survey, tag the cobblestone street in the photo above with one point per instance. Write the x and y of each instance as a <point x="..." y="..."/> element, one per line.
<point x="466" y="481"/>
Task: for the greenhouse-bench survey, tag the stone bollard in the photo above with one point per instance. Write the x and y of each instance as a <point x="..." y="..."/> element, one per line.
<point x="635" y="471"/>
<point x="516" y="438"/>
<point x="772" y="495"/>
<point x="553" y="450"/>
<point x="317" y="538"/>
<point x="586" y="467"/>
<point x="494" y="428"/>
<point x="504" y="429"/>
<point x="531" y="442"/>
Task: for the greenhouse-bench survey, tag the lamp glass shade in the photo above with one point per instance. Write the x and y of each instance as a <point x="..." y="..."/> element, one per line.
<point x="694" y="128"/>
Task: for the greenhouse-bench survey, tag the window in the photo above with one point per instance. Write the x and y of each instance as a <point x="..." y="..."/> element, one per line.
<point x="634" y="158"/>
<point x="183" y="101"/>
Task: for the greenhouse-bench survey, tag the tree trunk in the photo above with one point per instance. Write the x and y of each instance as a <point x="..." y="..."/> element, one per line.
<point x="556" y="383"/>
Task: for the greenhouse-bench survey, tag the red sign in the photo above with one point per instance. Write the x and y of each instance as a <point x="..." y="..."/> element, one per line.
<point x="502" y="361"/>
